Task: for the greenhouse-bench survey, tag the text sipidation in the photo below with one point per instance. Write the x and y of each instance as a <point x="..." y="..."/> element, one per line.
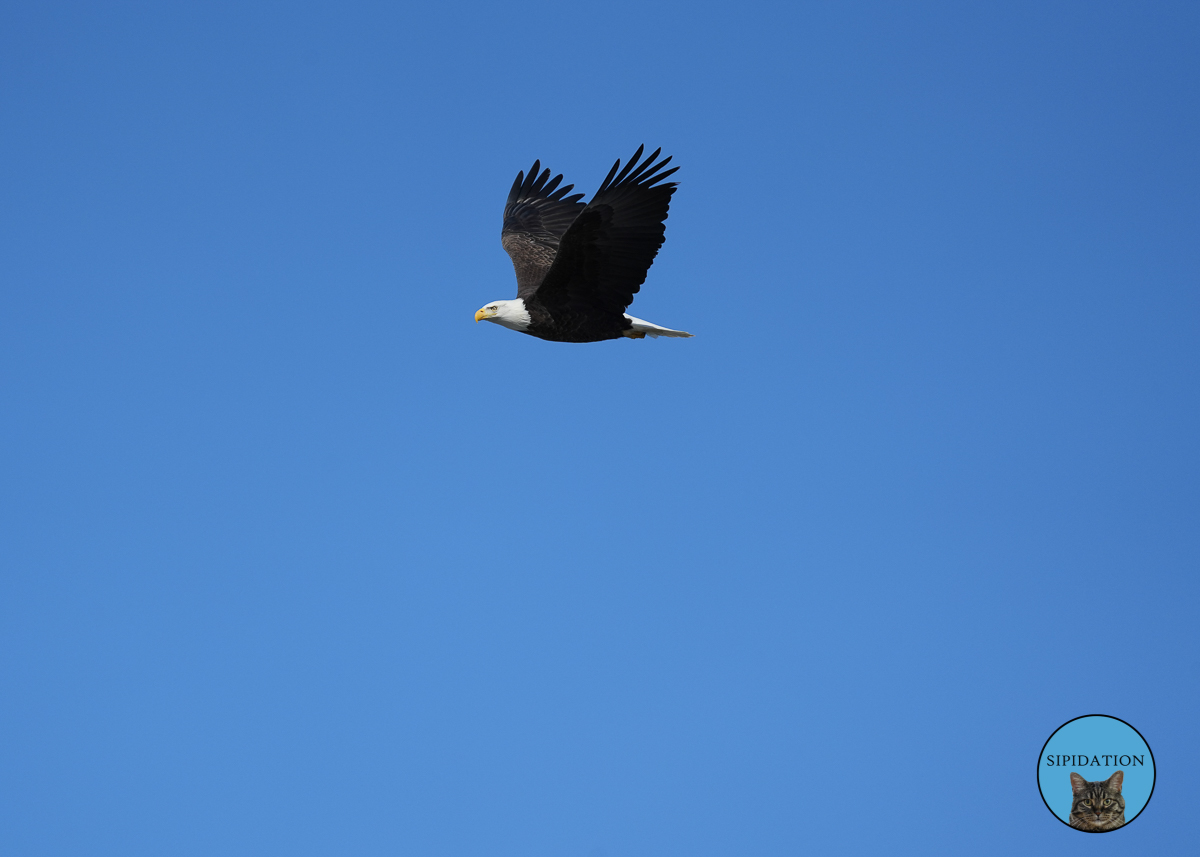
<point x="1084" y="761"/>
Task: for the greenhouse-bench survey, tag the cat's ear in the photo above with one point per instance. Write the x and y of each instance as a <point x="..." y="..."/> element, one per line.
<point x="1077" y="783"/>
<point x="1114" y="782"/>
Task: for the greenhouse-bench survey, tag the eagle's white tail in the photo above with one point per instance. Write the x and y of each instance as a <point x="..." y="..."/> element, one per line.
<point x="643" y="329"/>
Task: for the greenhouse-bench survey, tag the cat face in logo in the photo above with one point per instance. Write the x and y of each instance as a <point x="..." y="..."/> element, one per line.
<point x="1097" y="806"/>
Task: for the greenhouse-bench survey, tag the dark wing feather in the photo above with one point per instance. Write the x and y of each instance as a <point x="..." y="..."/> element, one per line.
<point x="536" y="215"/>
<point x="603" y="257"/>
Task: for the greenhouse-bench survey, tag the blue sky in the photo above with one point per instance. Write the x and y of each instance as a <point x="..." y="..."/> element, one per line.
<point x="299" y="560"/>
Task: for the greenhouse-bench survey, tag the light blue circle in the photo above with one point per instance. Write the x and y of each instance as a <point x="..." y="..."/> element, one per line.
<point x="1110" y="743"/>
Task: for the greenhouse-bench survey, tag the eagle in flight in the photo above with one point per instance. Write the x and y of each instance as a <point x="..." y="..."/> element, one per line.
<point x="580" y="264"/>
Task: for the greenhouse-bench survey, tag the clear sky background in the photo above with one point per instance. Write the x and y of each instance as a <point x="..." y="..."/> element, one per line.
<point x="299" y="560"/>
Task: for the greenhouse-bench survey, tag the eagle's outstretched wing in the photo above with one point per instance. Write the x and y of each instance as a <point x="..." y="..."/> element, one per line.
<point x="605" y="253"/>
<point x="535" y="217"/>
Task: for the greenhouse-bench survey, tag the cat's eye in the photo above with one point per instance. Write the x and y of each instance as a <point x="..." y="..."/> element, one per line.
<point x="1086" y="802"/>
<point x="1107" y="802"/>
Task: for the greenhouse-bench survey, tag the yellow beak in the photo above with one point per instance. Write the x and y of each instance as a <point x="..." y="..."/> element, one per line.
<point x="480" y="315"/>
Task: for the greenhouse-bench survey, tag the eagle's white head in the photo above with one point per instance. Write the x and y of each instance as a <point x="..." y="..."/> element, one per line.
<point x="511" y="314"/>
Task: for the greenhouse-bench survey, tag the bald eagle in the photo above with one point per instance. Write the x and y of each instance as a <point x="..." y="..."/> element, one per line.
<point x="579" y="265"/>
